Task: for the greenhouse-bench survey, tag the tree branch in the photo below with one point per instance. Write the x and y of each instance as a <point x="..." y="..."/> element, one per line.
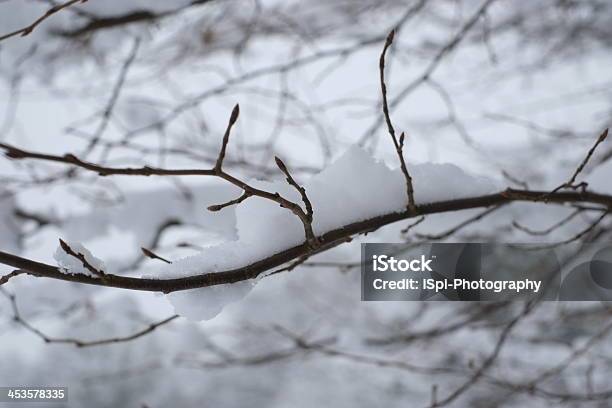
<point x="18" y="318"/>
<point x="27" y="30"/>
<point x="327" y="241"/>
<point x="399" y="146"/>
<point x="299" y="188"/>
<point x="217" y="171"/>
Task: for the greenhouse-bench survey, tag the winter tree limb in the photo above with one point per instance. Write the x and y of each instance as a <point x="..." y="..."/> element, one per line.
<point x="328" y="240"/>
<point x="27" y="30"/>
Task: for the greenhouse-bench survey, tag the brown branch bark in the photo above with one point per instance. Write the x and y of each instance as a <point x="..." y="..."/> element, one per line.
<point x="327" y="241"/>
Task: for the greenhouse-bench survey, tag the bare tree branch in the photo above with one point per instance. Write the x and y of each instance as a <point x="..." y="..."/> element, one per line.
<point x="461" y="225"/>
<point x="550" y="229"/>
<point x="299" y="188"/>
<point x="583" y="233"/>
<point x="18" y="318"/>
<point x="432" y="67"/>
<point x="99" y="23"/>
<point x="399" y="145"/>
<point x="572" y="180"/>
<point x="110" y="105"/>
<point x="216" y="171"/>
<point x="489" y="361"/>
<point x="27" y="30"/>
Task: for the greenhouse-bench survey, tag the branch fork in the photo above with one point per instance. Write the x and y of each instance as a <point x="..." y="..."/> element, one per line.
<point x="305" y="216"/>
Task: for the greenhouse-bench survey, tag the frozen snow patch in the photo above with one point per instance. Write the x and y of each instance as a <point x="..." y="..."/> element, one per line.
<point x="71" y="265"/>
<point x="207" y="303"/>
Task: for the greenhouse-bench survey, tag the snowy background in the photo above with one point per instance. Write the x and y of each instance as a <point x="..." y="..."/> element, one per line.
<point x="517" y="97"/>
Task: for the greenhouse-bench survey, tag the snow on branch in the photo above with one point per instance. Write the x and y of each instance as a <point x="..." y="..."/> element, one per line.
<point x="74" y="258"/>
<point x="345" y="199"/>
<point x="270" y="237"/>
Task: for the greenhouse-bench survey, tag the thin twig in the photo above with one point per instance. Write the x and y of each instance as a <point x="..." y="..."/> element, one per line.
<point x="18" y="318"/>
<point x="488" y="362"/>
<point x="550" y="229"/>
<point x="27" y="30"/>
<point x="153" y="243"/>
<point x="299" y="188"/>
<point x="70" y="159"/>
<point x="399" y="145"/>
<point x="572" y="180"/>
<point x="110" y="105"/>
<point x="575" y="237"/>
<point x="515" y="180"/>
<point x="150" y="254"/>
<point x="232" y="121"/>
<point x="431" y="68"/>
<point x="219" y="207"/>
<point x="4" y="279"/>
<point x="412" y="225"/>
<point x="459" y="226"/>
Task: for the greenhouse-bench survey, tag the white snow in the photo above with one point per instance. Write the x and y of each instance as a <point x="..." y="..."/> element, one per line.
<point x="206" y="303"/>
<point x="354" y="188"/>
<point x="599" y="178"/>
<point x="71" y="265"/>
